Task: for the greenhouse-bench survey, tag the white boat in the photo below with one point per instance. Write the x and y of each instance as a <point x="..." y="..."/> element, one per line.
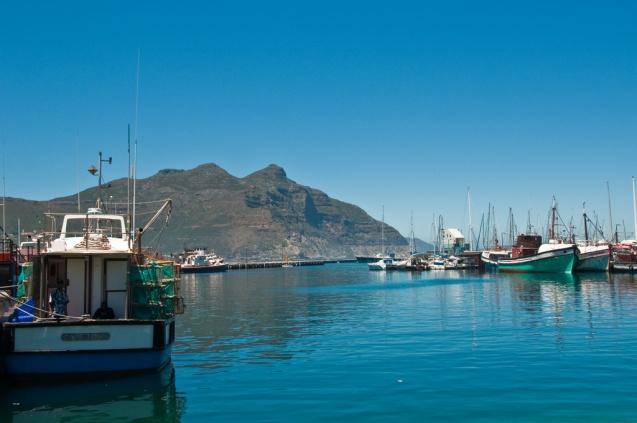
<point x="451" y="263"/>
<point x="91" y="256"/>
<point x="286" y="262"/>
<point x="592" y="257"/>
<point x="490" y="258"/>
<point x="382" y="261"/>
<point x="200" y="261"/>
<point x="383" y="264"/>
<point x="437" y="263"/>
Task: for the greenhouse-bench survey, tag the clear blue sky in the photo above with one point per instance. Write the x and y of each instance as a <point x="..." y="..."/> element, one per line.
<point x="394" y="105"/>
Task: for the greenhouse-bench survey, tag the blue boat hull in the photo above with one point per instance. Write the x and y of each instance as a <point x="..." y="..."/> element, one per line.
<point x="44" y="349"/>
<point x="44" y="365"/>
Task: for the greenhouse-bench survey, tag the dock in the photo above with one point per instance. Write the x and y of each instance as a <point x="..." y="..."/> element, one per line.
<point x="271" y="264"/>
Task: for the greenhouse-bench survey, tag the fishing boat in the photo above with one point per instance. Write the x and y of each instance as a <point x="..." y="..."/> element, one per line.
<point x="529" y="255"/>
<point x="625" y="257"/>
<point x="490" y="258"/>
<point x="200" y="261"/>
<point x="625" y="253"/>
<point x="592" y="255"/>
<point x="90" y="257"/>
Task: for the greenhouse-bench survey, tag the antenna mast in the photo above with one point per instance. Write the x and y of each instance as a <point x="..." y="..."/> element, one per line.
<point x="135" y="154"/>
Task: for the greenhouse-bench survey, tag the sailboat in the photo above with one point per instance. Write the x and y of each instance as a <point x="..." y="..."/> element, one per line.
<point x="491" y="256"/>
<point x="383" y="262"/>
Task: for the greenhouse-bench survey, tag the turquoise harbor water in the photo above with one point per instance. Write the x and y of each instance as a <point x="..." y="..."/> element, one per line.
<point x="340" y="343"/>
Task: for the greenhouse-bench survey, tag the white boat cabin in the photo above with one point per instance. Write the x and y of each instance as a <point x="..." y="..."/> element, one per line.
<point x="92" y="255"/>
<point x="92" y="230"/>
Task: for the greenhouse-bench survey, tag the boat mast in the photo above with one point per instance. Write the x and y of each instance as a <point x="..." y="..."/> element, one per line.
<point x="132" y="228"/>
<point x="77" y="149"/>
<point x="610" y="215"/>
<point x="469" y="200"/>
<point x="92" y="171"/>
<point x="634" y="210"/>
<point x="382" y="235"/>
<point x="412" y="244"/>
<point x="440" y="236"/>
<point x="495" y="230"/>
<point x="585" y="224"/>
<point x="433" y="232"/>
<point x="552" y="230"/>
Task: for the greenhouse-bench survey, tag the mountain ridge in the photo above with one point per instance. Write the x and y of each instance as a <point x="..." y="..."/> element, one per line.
<point x="262" y="215"/>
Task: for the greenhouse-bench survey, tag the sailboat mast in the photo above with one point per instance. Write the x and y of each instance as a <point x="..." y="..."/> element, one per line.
<point x="412" y="245"/>
<point x="634" y="209"/>
<point x="610" y="215"/>
<point x="382" y="234"/>
<point x="433" y="232"/>
<point x="495" y="230"/>
<point x="469" y="200"/>
<point x="440" y="235"/>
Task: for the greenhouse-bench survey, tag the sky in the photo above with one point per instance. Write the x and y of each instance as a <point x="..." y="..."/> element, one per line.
<point x="412" y="110"/>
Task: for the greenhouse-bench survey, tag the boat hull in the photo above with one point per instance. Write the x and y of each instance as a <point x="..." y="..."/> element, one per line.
<point x="203" y="269"/>
<point x="491" y="258"/>
<point x="366" y="259"/>
<point x="624" y="267"/>
<point x="48" y="349"/>
<point x="593" y="260"/>
<point x="554" y="261"/>
<point x="384" y="264"/>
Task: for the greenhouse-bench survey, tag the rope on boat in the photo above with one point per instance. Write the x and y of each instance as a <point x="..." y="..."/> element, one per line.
<point x="19" y="302"/>
<point x="94" y="242"/>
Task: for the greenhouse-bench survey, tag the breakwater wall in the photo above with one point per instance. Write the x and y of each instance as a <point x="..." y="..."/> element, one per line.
<point x="293" y="263"/>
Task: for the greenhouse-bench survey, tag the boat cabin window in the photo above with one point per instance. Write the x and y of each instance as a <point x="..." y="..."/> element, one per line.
<point x="78" y="226"/>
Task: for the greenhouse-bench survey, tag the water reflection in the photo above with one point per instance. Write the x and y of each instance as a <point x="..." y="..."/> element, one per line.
<point x="145" y="398"/>
<point x="263" y="316"/>
<point x="560" y="301"/>
<point x="252" y="315"/>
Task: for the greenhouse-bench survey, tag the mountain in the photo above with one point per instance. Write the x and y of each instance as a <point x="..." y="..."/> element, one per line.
<point x="423" y="246"/>
<point x="263" y="215"/>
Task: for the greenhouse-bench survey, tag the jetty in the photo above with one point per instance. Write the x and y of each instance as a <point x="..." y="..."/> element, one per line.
<point x="271" y="264"/>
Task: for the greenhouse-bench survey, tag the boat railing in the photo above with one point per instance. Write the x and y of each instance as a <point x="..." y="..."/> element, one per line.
<point x="80" y="225"/>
